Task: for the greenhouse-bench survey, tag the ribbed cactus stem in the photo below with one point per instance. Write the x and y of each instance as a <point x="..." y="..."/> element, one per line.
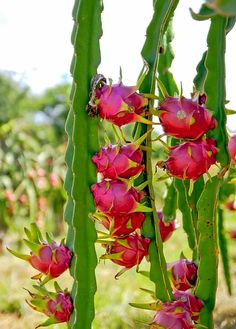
<point x="81" y="174"/>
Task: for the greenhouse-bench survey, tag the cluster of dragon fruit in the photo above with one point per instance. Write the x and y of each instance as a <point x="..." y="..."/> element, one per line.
<point x="119" y="202"/>
<point x="51" y="260"/>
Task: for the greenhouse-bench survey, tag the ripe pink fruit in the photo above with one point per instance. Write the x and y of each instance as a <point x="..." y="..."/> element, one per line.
<point x="230" y="205"/>
<point x="232" y="234"/>
<point x="191" y="159"/>
<point x="119" y="161"/>
<point x="55" y="180"/>
<point x="172" y="315"/>
<point x="115" y="198"/>
<point x="166" y="229"/>
<point x="185" y="118"/>
<point x="60" y="307"/>
<point x="57" y="306"/>
<point x="192" y="304"/>
<point x="232" y="149"/>
<point x="183" y="274"/>
<point x="128" y="251"/>
<point x="120" y="104"/>
<point x="51" y="259"/>
<point x="123" y="224"/>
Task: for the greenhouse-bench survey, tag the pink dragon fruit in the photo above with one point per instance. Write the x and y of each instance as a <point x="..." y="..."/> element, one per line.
<point x="119" y="161"/>
<point x="51" y="259"/>
<point x="115" y="198"/>
<point x="230" y="205"/>
<point x="191" y="159"/>
<point x="123" y="224"/>
<point x="232" y="234"/>
<point x="166" y="229"/>
<point x="120" y="104"/>
<point x="48" y="258"/>
<point x="232" y="149"/>
<point x="183" y="274"/>
<point x="172" y="315"/>
<point x="128" y="251"/>
<point x="185" y="118"/>
<point x="192" y="304"/>
<point x="56" y="305"/>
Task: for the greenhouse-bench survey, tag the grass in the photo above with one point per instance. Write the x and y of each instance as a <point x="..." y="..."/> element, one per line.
<point x="112" y="297"/>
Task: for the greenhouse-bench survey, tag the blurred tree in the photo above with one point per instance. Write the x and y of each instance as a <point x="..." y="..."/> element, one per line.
<point x="13" y="98"/>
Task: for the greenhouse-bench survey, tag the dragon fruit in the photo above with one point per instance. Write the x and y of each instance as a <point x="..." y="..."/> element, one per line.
<point x="56" y="305"/>
<point x="185" y="118"/>
<point x="173" y="315"/>
<point x="116" y="198"/>
<point x="191" y="159"/>
<point x="128" y="251"/>
<point x="119" y="161"/>
<point x="48" y="258"/>
<point x="123" y="224"/>
<point x="120" y="104"/>
<point x="232" y="149"/>
<point x="166" y="229"/>
<point x="183" y="274"/>
<point x="192" y="303"/>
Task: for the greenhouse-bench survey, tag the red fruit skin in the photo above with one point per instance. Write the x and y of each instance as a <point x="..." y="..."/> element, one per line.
<point x="191" y="159"/>
<point x="192" y="304"/>
<point x="114" y="198"/>
<point x="183" y="274"/>
<point x="132" y="249"/>
<point x="121" y="225"/>
<point x="185" y="118"/>
<point x="230" y="205"/>
<point x="55" y="180"/>
<point x="114" y="161"/>
<point x="172" y="316"/>
<point x="232" y="149"/>
<point x="60" y="308"/>
<point x="52" y="259"/>
<point x="120" y="104"/>
<point x="232" y="234"/>
<point x="166" y="229"/>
